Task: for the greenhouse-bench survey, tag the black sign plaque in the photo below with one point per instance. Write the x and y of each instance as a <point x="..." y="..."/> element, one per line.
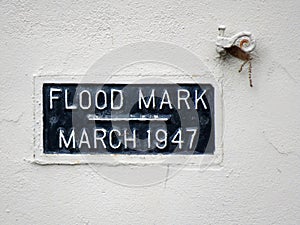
<point x="145" y="119"/>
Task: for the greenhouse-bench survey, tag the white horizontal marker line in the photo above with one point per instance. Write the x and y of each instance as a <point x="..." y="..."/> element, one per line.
<point x="97" y="118"/>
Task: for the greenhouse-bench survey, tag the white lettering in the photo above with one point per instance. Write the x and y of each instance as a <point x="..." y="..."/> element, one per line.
<point x="167" y="101"/>
<point x="194" y="130"/>
<point x="162" y="139"/>
<point x="104" y="97"/>
<point x="53" y="97"/>
<point x="66" y="101"/>
<point x="110" y="138"/>
<point x="96" y="137"/>
<point x="147" y="104"/>
<point x="63" y="139"/>
<point x="81" y="99"/>
<point x="179" y="140"/>
<point x="199" y="98"/>
<point x="84" y="139"/>
<point x="133" y="139"/>
<point x="184" y="98"/>
<point x="113" y="106"/>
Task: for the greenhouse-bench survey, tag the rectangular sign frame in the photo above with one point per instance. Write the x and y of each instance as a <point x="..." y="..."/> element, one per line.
<point x="199" y="160"/>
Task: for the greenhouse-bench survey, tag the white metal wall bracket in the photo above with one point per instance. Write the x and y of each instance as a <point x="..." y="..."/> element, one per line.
<point x="239" y="45"/>
<point x="243" y="40"/>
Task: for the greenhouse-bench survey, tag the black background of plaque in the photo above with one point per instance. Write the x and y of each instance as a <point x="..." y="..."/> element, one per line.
<point x="61" y="118"/>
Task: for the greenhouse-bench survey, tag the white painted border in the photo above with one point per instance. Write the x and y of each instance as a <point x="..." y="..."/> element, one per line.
<point x="200" y="161"/>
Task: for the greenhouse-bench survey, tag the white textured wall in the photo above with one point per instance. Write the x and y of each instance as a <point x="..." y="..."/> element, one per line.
<point x="258" y="180"/>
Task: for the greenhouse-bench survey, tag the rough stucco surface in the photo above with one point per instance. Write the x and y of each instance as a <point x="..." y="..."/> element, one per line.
<point x="258" y="180"/>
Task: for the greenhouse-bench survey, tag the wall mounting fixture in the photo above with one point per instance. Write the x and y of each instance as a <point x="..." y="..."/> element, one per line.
<point x="239" y="45"/>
